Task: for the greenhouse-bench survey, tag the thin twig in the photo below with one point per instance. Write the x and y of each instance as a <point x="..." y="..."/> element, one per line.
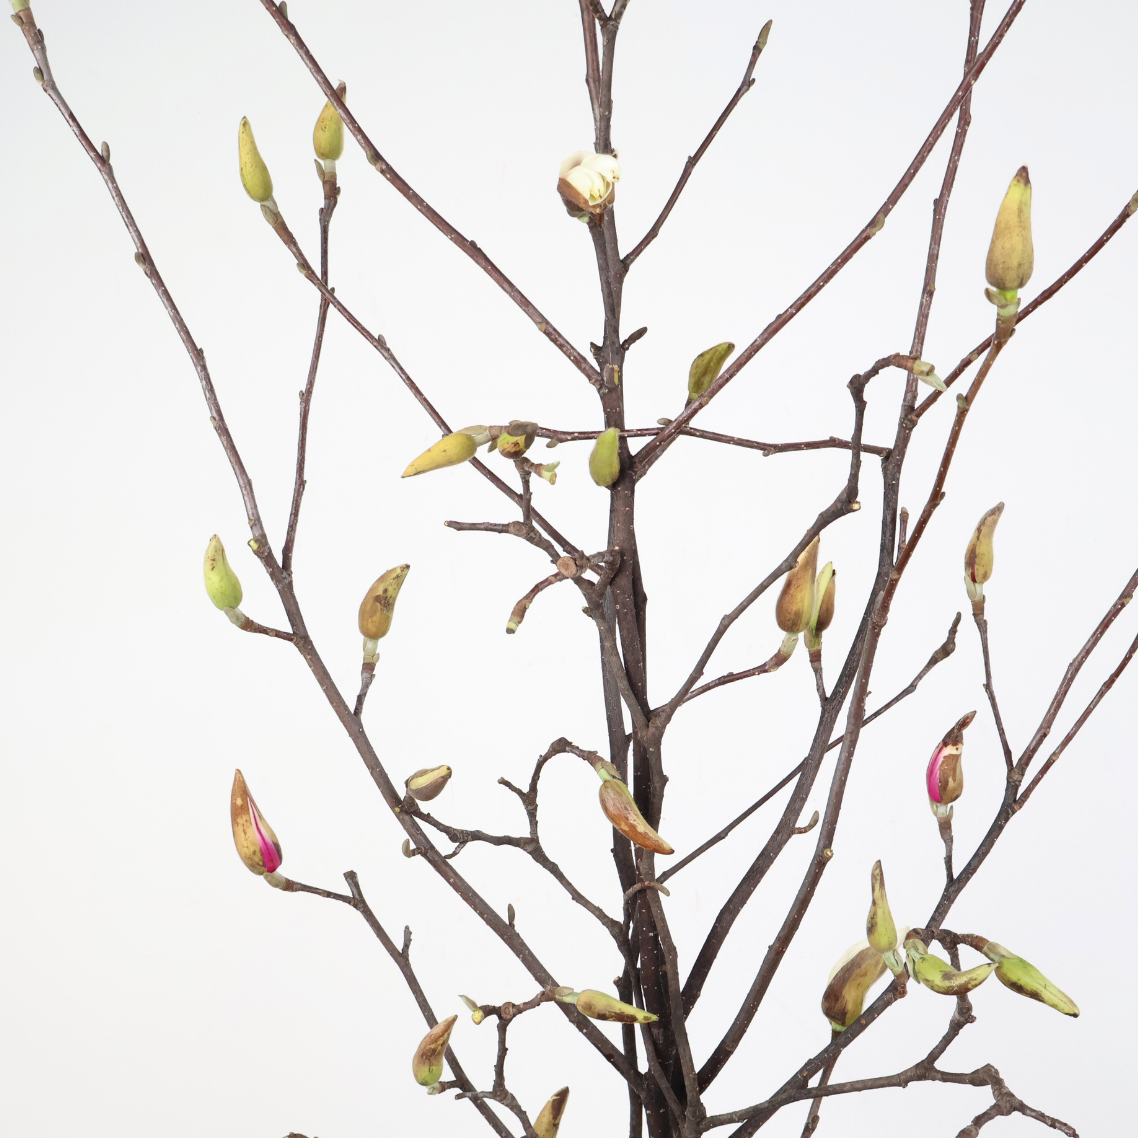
<point x="982" y="628"/>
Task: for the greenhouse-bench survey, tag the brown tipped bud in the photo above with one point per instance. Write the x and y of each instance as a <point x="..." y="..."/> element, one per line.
<point x="795" y="604"/>
<point x="1026" y="980"/>
<point x="378" y="605"/>
<point x="979" y="557"/>
<point x="621" y="810"/>
<point x="256" y="843"/>
<point x="938" y="975"/>
<point x="516" y="439"/>
<point x="548" y="1121"/>
<point x="944" y="776"/>
<point x="428" y="783"/>
<point x="598" y="1005"/>
<point x="855" y="973"/>
<point x="705" y="369"/>
<point x="1010" y="256"/>
<point x="427" y="1064"/>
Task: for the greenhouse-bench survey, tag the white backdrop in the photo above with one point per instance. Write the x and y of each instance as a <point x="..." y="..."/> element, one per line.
<point x="150" y="984"/>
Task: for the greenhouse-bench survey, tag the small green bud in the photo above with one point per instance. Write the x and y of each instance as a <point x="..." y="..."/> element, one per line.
<point x="705" y="369"/>
<point x="476" y="1013"/>
<point x="221" y="582"/>
<point x="328" y="134"/>
<point x="938" y="975"/>
<point x="1010" y="256"/>
<point x="824" y="594"/>
<point x="879" y="926"/>
<point x="604" y="462"/>
<point x="598" y="1005"/>
<point x="1026" y="980"/>
<point x="255" y="175"/>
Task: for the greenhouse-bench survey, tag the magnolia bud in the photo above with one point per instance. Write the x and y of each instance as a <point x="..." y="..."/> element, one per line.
<point x="427" y="1065"/>
<point x="220" y="581"/>
<point x="604" y="462"/>
<point x="621" y="810"/>
<point x="587" y="182"/>
<point x="548" y="471"/>
<point x="1010" y="258"/>
<point x="254" y="173"/>
<point x="476" y="1013"/>
<point x="516" y="439"/>
<point x="1016" y="973"/>
<point x="597" y="1005"/>
<point x="879" y="926"/>
<point x="705" y="369"/>
<point x="428" y="783"/>
<point x="378" y="605"/>
<point x="823" y="614"/>
<point x="548" y="1121"/>
<point x="938" y="975"/>
<point x="328" y="134"/>
<point x="450" y="450"/>
<point x="979" y="556"/>
<point x="795" y="605"/>
<point x="944" y="777"/>
<point x="256" y="843"/>
<point x="859" y="968"/>
<point x="926" y="373"/>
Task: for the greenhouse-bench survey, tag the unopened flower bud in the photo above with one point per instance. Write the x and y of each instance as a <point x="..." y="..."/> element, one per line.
<point x="476" y="1013"/>
<point x="428" y="783"/>
<point x="549" y="1120"/>
<point x="1010" y="257"/>
<point x="254" y="173"/>
<point x="450" y="450"/>
<point x="378" y="606"/>
<point x="427" y="1064"/>
<point x="824" y="593"/>
<point x="328" y="134"/>
<point x="879" y="926"/>
<point x="256" y="843"/>
<point x="221" y="582"/>
<point x="621" y="810"/>
<point x="705" y="369"/>
<point x="587" y="182"/>
<point x="598" y="1005"/>
<point x="979" y="557"/>
<point x="1025" y="979"/>
<point x="938" y="975"/>
<point x="516" y="439"/>
<point x="795" y="605"/>
<point x="944" y="777"/>
<point x="604" y="461"/>
<point x="858" y="969"/>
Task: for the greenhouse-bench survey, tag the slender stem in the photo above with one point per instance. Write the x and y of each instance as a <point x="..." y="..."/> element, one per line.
<point x="982" y="627"/>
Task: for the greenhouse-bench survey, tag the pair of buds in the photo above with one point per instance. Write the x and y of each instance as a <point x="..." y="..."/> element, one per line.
<point x="806" y="603"/>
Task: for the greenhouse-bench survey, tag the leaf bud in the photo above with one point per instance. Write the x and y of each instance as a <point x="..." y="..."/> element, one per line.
<point x="328" y="134"/>
<point x="795" y="605"/>
<point x="427" y="1064"/>
<point x="604" y="461"/>
<point x="428" y="783"/>
<point x="549" y="1120"/>
<point x="476" y="1013"/>
<point x="926" y="373"/>
<point x="1010" y="257"/>
<point x="979" y="557"/>
<point x="1026" y="980"/>
<point x="221" y="582"/>
<point x="938" y="975"/>
<point x="516" y="439"/>
<point x="856" y="971"/>
<point x="621" y="810"/>
<point x="256" y="843"/>
<point x="598" y="1005"/>
<point x="705" y="369"/>
<point x="548" y="471"/>
<point x="944" y="777"/>
<point x="879" y="926"/>
<point x="378" y="607"/>
<point x="255" y="175"/>
<point x="450" y="450"/>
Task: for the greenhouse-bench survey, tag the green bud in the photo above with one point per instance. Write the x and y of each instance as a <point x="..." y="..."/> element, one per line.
<point x="1025" y="979"/>
<point x="220" y="581"/>
<point x="598" y="1005"/>
<point x="328" y="134"/>
<point x="516" y="439"/>
<point x="476" y="1013"/>
<point x="879" y="926"/>
<point x="938" y="975"/>
<point x="427" y="1063"/>
<point x="1010" y="256"/>
<point x="705" y="369"/>
<point x="255" y="175"/>
<point x="604" y="462"/>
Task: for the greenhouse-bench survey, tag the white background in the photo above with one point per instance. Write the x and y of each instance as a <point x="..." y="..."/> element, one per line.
<point x="150" y="985"/>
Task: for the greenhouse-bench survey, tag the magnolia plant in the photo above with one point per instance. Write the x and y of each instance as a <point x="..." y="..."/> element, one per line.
<point x="654" y="992"/>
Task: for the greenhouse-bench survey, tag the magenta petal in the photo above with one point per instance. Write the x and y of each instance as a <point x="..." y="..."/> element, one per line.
<point x="270" y="855"/>
<point x="932" y="775"/>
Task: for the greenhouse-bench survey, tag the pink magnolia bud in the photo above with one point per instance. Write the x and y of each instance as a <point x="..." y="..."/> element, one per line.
<point x="945" y="776"/>
<point x="252" y="835"/>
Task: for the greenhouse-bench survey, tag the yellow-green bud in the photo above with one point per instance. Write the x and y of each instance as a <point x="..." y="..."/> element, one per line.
<point x="427" y="1064"/>
<point x="979" y="557"/>
<point x="858" y="969"/>
<point x="879" y="926"/>
<point x="548" y="1121"/>
<point x="795" y="605"/>
<point x="428" y="783"/>
<point x="378" y="606"/>
<point x="19" y="5"/>
<point x="1010" y="257"/>
<point x="621" y="810"/>
<point x="450" y="450"/>
<point x="938" y="975"/>
<point x="597" y="1005"/>
<point x="548" y="471"/>
<point x="328" y="134"/>
<point x="476" y="1013"/>
<point x="516" y="439"/>
<point x="824" y="592"/>
<point x="604" y="462"/>
<point x="705" y="369"/>
<point x="254" y="173"/>
<point x="1025" y="979"/>
<point x="220" y="581"/>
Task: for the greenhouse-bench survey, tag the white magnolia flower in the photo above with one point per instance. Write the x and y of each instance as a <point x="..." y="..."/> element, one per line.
<point x="587" y="182"/>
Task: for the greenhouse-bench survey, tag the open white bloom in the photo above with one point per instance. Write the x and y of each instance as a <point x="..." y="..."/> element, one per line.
<point x="587" y="182"/>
